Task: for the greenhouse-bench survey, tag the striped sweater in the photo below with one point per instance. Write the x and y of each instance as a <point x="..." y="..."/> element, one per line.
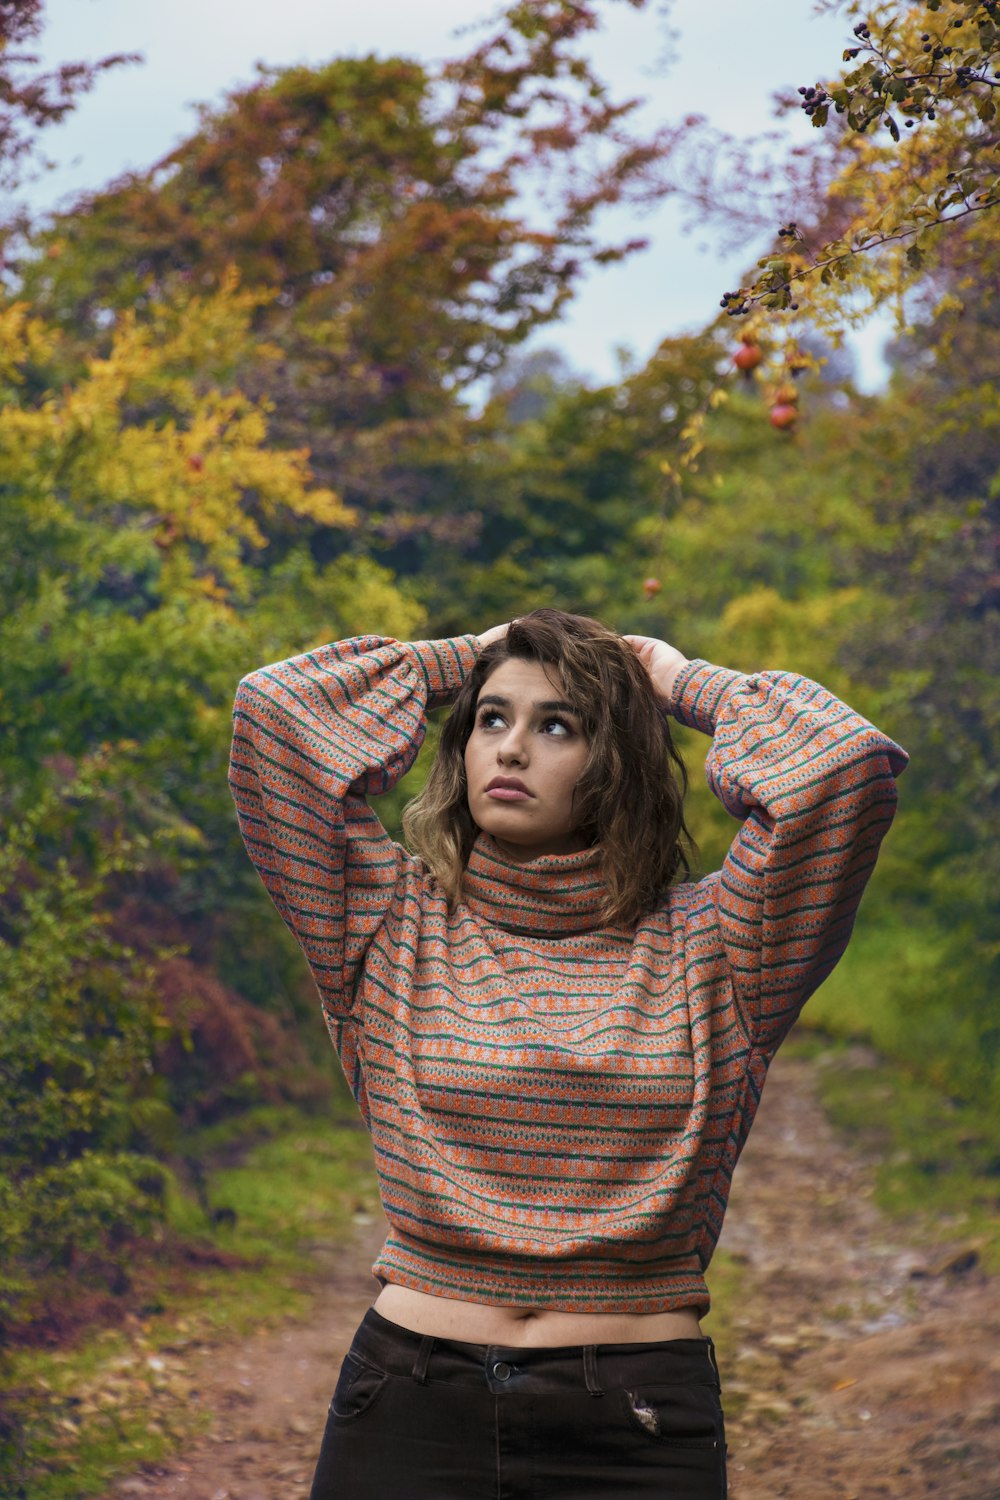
<point x="556" y="1106"/>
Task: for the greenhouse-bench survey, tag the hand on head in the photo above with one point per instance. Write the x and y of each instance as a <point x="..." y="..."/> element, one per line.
<point x="495" y="633"/>
<point x="662" y="662"/>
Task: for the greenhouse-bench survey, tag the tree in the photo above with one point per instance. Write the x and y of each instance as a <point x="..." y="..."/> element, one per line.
<point x="528" y="384"/>
<point x="413" y="226"/>
<point x="132" y="498"/>
<point x="135" y="503"/>
<point x="915" y="163"/>
<point x="30" y="100"/>
<point x="79" y="1016"/>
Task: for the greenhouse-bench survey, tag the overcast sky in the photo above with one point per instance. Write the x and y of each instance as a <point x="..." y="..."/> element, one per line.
<point x="729" y="58"/>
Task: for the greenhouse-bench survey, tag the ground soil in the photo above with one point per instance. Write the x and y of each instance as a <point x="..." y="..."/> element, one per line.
<point x="862" y="1365"/>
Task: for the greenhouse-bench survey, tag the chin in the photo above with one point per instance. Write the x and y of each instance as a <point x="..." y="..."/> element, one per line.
<point x="505" y="828"/>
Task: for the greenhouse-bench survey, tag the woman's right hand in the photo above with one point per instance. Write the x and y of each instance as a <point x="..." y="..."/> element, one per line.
<point x="495" y="633"/>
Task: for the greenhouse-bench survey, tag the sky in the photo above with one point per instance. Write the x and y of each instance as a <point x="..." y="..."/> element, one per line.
<point x="728" y="59"/>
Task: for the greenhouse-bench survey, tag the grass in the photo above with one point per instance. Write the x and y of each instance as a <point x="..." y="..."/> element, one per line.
<point x="906" y="1066"/>
<point x="726" y="1283"/>
<point x="918" y="995"/>
<point x="120" y="1398"/>
<point x="936" y="1159"/>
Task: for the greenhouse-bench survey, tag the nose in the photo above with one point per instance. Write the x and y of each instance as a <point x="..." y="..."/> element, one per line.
<point x="512" y="750"/>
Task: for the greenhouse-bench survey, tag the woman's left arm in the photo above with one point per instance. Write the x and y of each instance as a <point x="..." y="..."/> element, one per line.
<point x="815" y="786"/>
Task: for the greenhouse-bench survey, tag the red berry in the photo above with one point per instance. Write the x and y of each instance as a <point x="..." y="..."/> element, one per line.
<point x="784" y="415"/>
<point x="747" y="357"/>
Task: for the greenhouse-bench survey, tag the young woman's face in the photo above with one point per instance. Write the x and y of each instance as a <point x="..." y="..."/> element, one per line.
<point x="523" y="760"/>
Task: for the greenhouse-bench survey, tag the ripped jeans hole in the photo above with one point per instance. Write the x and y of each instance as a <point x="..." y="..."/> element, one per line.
<point x="644" y="1414"/>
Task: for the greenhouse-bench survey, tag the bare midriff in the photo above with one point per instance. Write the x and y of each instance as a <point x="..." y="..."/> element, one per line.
<point x="527" y="1327"/>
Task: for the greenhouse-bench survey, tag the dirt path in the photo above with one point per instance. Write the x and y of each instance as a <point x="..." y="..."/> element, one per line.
<point x="875" y="1374"/>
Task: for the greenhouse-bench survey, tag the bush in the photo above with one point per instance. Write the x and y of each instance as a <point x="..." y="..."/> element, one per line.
<point x="79" y="1020"/>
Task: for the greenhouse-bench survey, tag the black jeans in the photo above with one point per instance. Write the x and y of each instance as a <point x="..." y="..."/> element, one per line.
<point x="419" y="1418"/>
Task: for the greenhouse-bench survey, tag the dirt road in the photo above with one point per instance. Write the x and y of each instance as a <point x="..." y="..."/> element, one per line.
<point x="863" y="1367"/>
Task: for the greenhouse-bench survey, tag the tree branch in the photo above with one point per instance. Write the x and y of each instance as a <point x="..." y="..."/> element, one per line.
<point x="738" y="303"/>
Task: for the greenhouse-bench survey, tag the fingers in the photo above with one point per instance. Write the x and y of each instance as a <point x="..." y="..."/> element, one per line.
<point x="642" y="645"/>
<point x="661" y="660"/>
<point x="495" y="633"/>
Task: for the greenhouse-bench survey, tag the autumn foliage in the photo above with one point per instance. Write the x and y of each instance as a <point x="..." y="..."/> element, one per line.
<point x="236" y="420"/>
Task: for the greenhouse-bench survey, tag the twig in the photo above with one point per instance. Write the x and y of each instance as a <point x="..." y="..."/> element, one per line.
<point x="736" y="304"/>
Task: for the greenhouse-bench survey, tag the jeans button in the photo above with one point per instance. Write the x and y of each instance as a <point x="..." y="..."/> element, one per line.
<point x="502" y="1370"/>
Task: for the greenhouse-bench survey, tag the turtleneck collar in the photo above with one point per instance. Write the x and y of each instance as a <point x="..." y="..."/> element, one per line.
<point x="553" y="896"/>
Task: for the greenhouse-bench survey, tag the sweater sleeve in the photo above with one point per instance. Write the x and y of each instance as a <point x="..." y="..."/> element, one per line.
<point x="313" y="737"/>
<point x="815" y="786"/>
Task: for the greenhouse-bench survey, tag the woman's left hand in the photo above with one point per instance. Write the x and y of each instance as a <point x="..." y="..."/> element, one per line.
<point x="662" y="662"/>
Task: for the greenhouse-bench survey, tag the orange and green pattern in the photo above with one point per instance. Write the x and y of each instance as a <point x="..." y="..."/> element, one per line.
<point x="556" y="1106"/>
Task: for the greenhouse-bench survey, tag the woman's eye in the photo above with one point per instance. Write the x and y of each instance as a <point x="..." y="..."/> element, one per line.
<point x="490" y="718"/>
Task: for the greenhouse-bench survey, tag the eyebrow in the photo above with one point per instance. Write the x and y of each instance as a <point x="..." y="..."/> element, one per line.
<point x="547" y="706"/>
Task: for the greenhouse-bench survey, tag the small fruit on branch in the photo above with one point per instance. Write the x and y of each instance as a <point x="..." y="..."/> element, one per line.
<point x="747" y="357"/>
<point x="651" y="587"/>
<point x="783" y="415"/>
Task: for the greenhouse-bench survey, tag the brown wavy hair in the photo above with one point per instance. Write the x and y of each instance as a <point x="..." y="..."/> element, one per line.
<point x="630" y="796"/>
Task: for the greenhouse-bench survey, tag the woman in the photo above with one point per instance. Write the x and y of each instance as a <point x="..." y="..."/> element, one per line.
<point x="557" y="1050"/>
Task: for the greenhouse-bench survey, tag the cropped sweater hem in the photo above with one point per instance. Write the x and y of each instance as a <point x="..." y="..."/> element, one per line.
<point x="495" y="1280"/>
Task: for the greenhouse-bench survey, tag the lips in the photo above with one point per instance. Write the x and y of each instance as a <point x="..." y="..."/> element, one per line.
<point x="508" y="789"/>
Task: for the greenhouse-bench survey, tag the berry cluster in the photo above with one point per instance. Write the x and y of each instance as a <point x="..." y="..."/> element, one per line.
<point x="813" y="98"/>
<point x="789" y="231"/>
<point x="734" y="303"/>
<point x="966" y="75"/>
<point x="935" y="49"/>
<point x="870" y="100"/>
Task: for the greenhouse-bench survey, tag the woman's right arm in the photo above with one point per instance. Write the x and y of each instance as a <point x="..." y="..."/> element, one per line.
<point x="313" y="737"/>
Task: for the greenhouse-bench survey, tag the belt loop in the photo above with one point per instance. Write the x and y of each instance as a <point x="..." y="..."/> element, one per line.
<point x="590" y="1369"/>
<point x="710" y="1349"/>
<point x="423" y="1359"/>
